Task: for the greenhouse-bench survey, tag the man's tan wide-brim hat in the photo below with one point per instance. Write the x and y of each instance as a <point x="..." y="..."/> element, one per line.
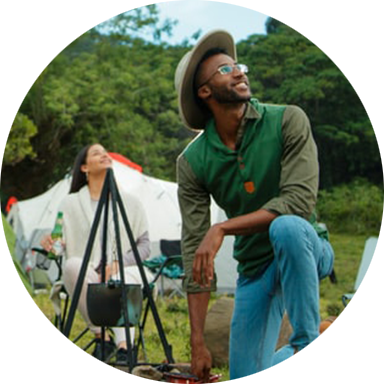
<point x="192" y="115"/>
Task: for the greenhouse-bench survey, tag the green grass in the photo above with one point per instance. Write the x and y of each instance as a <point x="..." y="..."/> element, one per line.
<point x="26" y="323"/>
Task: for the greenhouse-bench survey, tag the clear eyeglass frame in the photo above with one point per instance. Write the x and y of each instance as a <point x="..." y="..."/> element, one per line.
<point x="226" y="69"/>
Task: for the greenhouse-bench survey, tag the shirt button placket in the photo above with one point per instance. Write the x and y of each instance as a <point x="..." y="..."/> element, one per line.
<point x="248" y="185"/>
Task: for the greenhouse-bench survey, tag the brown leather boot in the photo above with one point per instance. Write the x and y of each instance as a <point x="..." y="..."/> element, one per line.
<point x="333" y="336"/>
<point x="307" y="369"/>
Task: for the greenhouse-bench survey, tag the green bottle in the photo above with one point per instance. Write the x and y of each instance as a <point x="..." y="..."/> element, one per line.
<point x="57" y="237"/>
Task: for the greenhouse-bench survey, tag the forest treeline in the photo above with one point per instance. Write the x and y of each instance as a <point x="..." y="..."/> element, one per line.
<point x="114" y="86"/>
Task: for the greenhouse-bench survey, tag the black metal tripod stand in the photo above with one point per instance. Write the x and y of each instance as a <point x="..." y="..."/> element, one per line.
<point x="111" y="194"/>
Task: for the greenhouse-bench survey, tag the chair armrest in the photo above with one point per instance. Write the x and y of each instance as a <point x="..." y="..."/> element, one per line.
<point x="40" y="250"/>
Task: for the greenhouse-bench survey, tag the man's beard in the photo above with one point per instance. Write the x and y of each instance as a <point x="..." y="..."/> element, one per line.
<point x="228" y="96"/>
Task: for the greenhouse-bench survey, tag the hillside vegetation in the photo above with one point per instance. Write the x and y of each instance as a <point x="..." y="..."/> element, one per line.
<point x="113" y="86"/>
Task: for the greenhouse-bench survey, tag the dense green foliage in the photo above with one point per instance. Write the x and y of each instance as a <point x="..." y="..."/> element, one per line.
<point x="116" y="89"/>
<point x="354" y="208"/>
<point x="113" y="86"/>
<point x="25" y="43"/>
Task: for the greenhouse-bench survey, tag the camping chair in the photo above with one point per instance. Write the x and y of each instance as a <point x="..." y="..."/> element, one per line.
<point x="369" y="285"/>
<point x="58" y="295"/>
<point x="168" y="267"/>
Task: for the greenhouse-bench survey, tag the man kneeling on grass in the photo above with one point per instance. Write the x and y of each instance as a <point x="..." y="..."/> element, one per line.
<point x="259" y="163"/>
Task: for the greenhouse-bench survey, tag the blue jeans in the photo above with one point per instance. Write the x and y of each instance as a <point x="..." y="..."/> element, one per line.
<point x="290" y="283"/>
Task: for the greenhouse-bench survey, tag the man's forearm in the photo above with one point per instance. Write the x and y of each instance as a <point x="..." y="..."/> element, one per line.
<point x="258" y="221"/>
<point x="198" y="307"/>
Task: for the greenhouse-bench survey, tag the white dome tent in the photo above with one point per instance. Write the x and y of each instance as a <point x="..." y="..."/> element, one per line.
<point x="32" y="217"/>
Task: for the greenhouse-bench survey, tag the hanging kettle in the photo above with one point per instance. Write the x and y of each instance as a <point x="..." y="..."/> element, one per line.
<point x="104" y="303"/>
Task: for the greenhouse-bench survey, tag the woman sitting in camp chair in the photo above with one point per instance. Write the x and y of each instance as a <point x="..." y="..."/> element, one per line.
<point x="78" y="208"/>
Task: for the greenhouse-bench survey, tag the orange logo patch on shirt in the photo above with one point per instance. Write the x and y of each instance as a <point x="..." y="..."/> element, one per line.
<point x="249" y="186"/>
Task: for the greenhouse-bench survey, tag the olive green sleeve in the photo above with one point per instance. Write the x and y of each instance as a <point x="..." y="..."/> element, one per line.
<point x="299" y="179"/>
<point x="194" y="202"/>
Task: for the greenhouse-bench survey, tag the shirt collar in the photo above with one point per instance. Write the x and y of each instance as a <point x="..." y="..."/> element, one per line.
<point x="251" y="113"/>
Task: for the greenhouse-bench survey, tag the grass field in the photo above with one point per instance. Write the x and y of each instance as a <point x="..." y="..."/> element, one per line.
<point x="26" y="323"/>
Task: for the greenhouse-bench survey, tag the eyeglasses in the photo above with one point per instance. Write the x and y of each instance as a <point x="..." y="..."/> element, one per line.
<point x="226" y="70"/>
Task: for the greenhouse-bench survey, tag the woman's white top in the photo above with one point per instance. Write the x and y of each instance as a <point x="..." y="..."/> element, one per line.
<point x="78" y="216"/>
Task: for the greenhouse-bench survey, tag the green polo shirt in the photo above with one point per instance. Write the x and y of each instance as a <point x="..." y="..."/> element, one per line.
<point x="274" y="167"/>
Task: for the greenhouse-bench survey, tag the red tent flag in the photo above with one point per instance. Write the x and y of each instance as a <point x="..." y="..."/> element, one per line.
<point x="12" y="200"/>
<point x="122" y="159"/>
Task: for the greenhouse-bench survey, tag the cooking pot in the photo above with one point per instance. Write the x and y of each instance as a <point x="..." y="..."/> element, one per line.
<point x="185" y="378"/>
<point x="104" y="303"/>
